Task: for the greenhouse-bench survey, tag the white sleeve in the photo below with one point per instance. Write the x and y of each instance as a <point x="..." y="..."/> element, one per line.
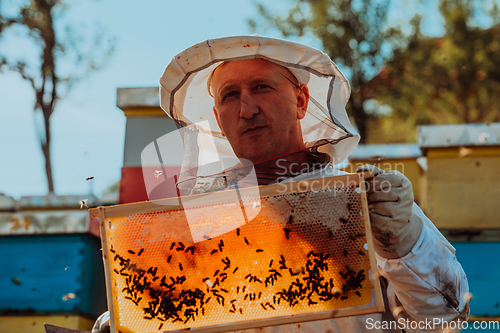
<point x="428" y="284"/>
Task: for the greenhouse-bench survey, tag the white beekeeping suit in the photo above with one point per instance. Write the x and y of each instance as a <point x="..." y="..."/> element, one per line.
<point x="426" y="283"/>
<point x="421" y="279"/>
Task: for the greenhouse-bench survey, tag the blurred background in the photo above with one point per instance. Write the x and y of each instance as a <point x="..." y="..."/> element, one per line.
<point x="79" y="86"/>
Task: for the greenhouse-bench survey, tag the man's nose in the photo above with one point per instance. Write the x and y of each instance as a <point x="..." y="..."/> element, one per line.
<point x="248" y="105"/>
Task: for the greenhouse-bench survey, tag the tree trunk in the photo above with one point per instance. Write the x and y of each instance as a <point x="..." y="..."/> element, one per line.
<point x="361" y="123"/>
<point x="360" y="116"/>
<point x="46" y="151"/>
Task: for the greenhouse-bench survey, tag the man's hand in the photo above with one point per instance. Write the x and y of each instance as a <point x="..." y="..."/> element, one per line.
<point x="390" y="199"/>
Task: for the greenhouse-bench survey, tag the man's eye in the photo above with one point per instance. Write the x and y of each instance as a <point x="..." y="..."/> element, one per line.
<point x="262" y="86"/>
<point x="230" y="94"/>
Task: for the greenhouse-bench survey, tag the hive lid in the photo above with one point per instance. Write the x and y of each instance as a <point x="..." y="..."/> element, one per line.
<point x="385" y="151"/>
<point x="434" y="136"/>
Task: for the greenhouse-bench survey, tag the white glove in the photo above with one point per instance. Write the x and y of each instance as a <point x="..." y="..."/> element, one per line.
<point x="101" y="325"/>
<point x="395" y="227"/>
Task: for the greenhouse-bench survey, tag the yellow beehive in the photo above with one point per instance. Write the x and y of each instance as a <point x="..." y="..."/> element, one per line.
<point x="306" y="254"/>
<point x="35" y="324"/>
<point x="462" y="178"/>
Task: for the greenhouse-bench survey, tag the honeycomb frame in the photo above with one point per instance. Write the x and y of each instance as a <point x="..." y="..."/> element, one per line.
<point x="161" y="278"/>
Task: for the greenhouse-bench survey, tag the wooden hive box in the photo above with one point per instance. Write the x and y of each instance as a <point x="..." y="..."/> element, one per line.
<point x="462" y="178"/>
<point x="51" y="270"/>
<point x="141" y="106"/>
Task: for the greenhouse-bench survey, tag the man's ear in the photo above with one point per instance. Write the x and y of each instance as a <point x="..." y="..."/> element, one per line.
<point x="218" y="121"/>
<point x="302" y="101"/>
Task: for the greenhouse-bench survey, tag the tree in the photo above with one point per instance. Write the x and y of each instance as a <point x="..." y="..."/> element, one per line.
<point x="355" y="34"/>
<point x="451" y="79"/>
<point x="37" y="19"/>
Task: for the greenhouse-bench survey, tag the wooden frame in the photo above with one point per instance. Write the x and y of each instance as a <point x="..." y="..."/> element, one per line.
<point x="304" y="186"/>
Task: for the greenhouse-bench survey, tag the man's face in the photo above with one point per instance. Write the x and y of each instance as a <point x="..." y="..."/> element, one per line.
<point x="258" y="109"/>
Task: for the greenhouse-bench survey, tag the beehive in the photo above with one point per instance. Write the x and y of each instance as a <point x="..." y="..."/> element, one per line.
<point x="306" y="255"/>
<point x="51" y="267"/>
<point x="462" y="175"/>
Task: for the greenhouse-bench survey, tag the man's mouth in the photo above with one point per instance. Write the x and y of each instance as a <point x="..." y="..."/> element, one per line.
<point x="253" y="130"/>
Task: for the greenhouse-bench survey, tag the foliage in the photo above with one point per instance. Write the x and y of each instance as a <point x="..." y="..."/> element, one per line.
<point x="355" y="34"/>
<point x="451" y="79"/>
<point x="400" y="81"/>
<point x="36" y="20"/>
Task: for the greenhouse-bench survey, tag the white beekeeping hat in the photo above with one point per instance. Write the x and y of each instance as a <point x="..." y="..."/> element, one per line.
<point x="184" y="96"/>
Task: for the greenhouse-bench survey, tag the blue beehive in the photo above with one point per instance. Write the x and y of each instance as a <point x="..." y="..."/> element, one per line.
<point x="51" y="269"/>
<point x="35" y="277"/>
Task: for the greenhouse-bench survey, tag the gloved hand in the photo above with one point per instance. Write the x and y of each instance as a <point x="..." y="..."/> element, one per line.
<point x="395" y="226"/>
<point x="101" y="325"/>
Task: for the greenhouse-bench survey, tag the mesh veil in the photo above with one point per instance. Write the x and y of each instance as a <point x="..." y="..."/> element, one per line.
<point x="186" y="99"/>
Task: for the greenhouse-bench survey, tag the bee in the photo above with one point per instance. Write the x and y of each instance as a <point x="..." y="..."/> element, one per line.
<point x="158" y="173"/>
<point x="68" y="296"/>
<point x="89" y="178"/>
<point x="83" y="203"/>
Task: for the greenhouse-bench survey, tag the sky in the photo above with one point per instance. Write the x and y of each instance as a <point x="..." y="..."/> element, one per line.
<point x="88" y="129"/>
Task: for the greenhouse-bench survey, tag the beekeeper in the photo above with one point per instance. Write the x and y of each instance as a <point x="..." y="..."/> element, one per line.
<point x="279" y="106"/>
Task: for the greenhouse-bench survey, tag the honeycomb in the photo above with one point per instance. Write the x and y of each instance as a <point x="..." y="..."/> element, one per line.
<point x="303" y="253"/>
